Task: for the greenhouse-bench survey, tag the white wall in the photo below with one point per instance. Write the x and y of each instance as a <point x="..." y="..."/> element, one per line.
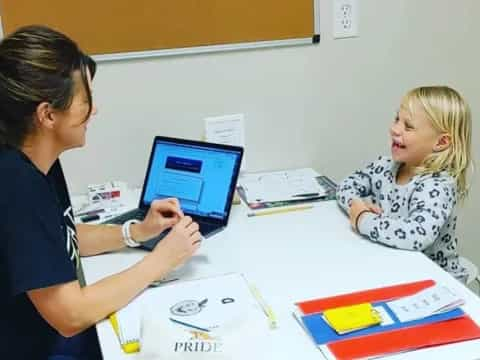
<point x="327" y="106"/>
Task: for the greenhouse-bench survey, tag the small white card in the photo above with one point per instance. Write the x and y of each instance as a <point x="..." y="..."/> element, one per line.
<point x="386" y="319"/>
<point x="433" y="300"/>
<point x="228" y="130"/>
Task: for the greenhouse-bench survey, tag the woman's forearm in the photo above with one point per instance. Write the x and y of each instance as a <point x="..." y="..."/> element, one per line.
<point x="97" y="239"/>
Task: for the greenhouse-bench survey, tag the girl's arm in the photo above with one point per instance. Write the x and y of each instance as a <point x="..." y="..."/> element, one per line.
<point x="71" y="309"/>
<point x="359" y="184"/>
<point x="430" y="207"/>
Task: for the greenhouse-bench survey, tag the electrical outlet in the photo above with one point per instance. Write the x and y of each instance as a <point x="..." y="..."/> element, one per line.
<point x="345" y="18"/>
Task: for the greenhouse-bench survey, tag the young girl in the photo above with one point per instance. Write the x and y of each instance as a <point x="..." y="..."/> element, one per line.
<point x="408" y="201"/>
<point x="45" y="108"/>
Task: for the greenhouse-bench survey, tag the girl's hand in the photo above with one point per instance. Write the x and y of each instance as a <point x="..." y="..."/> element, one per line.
<point x="163" y="214"/>
<point x="358" y="207"/>
<point x="373" y="208"/>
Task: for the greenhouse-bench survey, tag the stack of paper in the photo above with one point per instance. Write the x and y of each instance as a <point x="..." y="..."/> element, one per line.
<point x="284" y="188"/>
<point x="433" y="300"/>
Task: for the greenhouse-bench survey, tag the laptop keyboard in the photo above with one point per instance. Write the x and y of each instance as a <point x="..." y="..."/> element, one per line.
<point x="206" y="228"/>
<point x="137" y="214"/>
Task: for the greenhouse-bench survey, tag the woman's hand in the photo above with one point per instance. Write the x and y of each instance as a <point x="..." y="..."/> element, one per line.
<point x="358" y="207"/>
<point x="180" y="243"/>
<point x="163" y="214"/>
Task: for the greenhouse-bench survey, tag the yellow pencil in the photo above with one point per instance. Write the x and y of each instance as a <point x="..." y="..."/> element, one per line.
<point x="272" y="319"/>
<point x="281" y="210"/>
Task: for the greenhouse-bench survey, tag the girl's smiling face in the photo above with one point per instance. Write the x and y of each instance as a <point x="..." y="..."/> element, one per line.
<point x="413" y="136"/>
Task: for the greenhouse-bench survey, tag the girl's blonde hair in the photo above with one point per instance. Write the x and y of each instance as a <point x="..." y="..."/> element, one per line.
<point x="449" y="114"/>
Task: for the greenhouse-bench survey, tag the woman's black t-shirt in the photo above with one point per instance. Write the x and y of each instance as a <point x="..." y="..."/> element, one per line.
<point x="38" y="248"/>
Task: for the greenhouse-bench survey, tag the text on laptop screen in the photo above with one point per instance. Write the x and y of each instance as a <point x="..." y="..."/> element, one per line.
<point x="199" y="177"/>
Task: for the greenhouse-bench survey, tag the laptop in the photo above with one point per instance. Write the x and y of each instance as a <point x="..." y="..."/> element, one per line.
<point x="201" y="175"/>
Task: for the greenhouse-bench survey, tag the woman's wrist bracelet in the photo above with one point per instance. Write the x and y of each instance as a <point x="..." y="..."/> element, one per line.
<point x="358" y="218"/>
<point x="127" y="237"/>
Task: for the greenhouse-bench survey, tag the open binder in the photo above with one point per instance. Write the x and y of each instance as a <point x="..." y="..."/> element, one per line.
<point x="443" y="328"/>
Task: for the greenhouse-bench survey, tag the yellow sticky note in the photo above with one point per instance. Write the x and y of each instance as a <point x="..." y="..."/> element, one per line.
<point x="349" y="318"/>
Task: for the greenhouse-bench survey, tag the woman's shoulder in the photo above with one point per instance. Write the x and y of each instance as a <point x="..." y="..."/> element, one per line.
<point x="19" y="176"/>
<point x="14" y="162"/>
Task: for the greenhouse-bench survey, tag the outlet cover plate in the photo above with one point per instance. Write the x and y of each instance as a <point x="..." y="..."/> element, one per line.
<point x="345" y="18"/>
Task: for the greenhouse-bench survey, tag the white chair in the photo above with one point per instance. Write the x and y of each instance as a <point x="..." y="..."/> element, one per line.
<point x="472" y="271"/>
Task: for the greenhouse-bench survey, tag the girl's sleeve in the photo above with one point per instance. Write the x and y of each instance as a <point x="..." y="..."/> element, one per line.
<point x="430" y="207"/>
<point x="357" y="185"/>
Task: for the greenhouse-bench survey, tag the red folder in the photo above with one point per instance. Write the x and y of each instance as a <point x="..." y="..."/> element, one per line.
<point x="410" y="338"/>
<point x="381" y="294"/>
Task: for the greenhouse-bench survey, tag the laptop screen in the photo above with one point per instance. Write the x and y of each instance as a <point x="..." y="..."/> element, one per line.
<point x="201" y="176"/>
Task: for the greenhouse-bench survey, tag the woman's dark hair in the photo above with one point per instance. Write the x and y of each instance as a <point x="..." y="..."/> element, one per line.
<point x="37" y="65"/>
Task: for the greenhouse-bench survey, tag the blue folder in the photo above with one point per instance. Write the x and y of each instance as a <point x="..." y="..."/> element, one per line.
<point x="322" y="333"/>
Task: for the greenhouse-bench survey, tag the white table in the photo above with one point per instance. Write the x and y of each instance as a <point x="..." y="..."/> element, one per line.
<point x="298" y="256"/>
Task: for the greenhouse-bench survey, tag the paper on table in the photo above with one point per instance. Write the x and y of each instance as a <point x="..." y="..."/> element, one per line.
<point x="209" y="307"/>
<point x="230" y="325"/>
<point x="209" y="303"/>
<point x="433" y="300"/>
<point x="281" y="185"/>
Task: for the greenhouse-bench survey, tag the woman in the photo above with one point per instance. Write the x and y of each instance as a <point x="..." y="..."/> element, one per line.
<point x="45" y="108"/>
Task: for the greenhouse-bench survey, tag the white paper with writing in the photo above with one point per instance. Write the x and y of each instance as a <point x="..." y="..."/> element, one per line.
<point x="433" y="300"/>
<point x="285" y="185"/>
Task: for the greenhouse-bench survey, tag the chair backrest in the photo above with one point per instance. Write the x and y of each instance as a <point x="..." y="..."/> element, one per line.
<point x="472" y="269"/>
